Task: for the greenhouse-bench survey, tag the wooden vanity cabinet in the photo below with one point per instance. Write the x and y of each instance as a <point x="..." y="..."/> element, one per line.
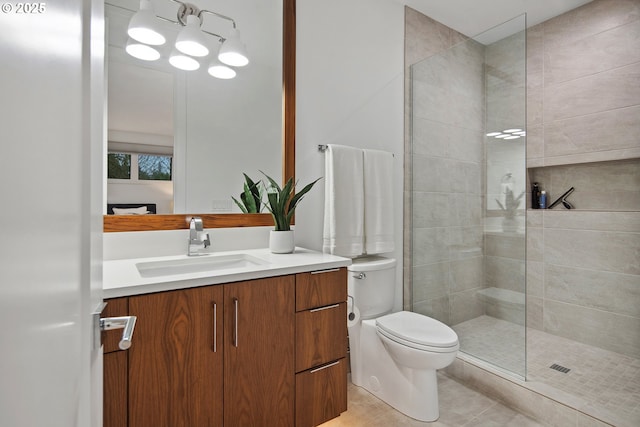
<point x="321" y="346"/>
<point x="265" y="352"/>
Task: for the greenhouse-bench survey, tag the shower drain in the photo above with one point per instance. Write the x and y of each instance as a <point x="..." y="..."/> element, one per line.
<point x="559" y="368"/>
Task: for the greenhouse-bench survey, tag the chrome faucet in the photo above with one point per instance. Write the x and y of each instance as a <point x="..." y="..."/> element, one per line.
<point x="198" y="239"/>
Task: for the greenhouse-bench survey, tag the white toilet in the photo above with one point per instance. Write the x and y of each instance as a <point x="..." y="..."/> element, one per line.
<point x="394" y="356"/>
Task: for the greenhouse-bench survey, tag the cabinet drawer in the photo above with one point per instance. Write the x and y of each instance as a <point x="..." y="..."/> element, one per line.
<point x="115" y="307"/>
<point x="321" y="393"/>
<point x="320" y="288"/>
<point x="321" y="336"/>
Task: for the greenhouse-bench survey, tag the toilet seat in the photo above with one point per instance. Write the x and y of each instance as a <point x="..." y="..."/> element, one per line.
<point x="417" y="331"/>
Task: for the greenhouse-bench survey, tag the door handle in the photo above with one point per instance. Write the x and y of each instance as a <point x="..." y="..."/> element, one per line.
<point x="128" y="323"/>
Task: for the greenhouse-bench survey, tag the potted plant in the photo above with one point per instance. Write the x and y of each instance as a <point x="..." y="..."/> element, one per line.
<point x="282" y="203"/>
<point x="251" y="197"/>
<point x="509" y="208"/>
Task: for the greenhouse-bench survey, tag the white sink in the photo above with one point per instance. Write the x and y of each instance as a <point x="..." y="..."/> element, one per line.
<point x="197" y="264"/>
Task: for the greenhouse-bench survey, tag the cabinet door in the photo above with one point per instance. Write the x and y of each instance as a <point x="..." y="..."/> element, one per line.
<point x="176" y="361"/>
<point x="259" y="353"/>
<point x="115" y="395"/>
<point x="321" y="393"/>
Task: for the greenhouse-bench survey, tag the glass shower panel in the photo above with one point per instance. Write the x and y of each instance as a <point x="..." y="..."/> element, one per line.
<point x="468" y="194"/>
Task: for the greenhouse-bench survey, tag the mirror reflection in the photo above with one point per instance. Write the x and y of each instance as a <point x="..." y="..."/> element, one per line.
<point x="181" y="140"/>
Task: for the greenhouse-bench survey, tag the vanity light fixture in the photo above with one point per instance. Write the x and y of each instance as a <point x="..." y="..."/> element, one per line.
<point x="143" y="26"/>
<point x="220" y="71"/>
<point x="183" y="62"/>
<point x="141" y="51"/>
<point x="191" y="42"/>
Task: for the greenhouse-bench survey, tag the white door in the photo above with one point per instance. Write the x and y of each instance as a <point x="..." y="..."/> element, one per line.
<point x="50" y="212"/>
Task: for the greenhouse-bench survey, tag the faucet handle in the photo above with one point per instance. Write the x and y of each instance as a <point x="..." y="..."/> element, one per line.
<point x="205" y="240"/>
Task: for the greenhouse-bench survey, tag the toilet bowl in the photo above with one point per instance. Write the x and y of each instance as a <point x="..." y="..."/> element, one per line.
<point x="395" y="355"/>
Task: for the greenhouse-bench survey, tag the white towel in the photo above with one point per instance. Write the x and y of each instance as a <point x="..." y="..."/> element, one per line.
<point x="344" y="201"/>
<point x="378" y="207"/>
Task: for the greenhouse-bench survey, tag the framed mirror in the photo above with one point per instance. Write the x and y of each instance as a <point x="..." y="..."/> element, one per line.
<point x="286" y="153"/>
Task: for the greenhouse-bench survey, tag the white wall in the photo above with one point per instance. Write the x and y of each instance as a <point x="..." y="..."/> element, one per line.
<point x="349" y="91"/>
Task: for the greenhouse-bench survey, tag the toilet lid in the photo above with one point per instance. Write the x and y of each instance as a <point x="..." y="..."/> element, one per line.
<point x="419" y="329"/>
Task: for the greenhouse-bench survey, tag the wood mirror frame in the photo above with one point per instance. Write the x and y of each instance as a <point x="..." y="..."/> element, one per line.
<point x="113" y="223"/>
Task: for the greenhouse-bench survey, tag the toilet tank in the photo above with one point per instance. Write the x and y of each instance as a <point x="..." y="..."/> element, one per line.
<point x="371" y="283"/>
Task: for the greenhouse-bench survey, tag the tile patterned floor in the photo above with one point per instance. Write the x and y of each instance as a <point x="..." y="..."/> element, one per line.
<point x="459" y="407"/>
<point x="607" y="383"/>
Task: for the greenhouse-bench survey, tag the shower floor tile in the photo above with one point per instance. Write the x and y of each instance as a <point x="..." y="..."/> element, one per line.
<point x="606" y="384"/>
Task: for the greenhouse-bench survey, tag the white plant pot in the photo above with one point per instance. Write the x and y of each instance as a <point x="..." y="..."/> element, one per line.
<point x="281" y="242"/>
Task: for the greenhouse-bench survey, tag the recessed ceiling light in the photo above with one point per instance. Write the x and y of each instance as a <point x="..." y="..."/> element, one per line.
<point x="512" y="130"/>
<point x="512" y="137"/>
<point x="493" y="133"/>
<point x="503" y="135"/>
<point x="520" y="133"/>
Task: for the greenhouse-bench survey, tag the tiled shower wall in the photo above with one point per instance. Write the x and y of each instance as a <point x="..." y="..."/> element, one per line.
<point x="445" y="233"/>
<point x="583" y="266"/>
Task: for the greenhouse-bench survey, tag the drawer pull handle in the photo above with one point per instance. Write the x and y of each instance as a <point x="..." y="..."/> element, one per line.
<point x="215" y="327"/>
<point x="325" y="271"/>
<point x="313" y="371"/>
<point x="324" y="308"/>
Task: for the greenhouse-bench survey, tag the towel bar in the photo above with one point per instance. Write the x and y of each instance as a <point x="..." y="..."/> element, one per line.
<point x="323" y="147"/>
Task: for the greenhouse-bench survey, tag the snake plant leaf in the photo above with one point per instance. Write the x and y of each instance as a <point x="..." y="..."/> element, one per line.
<point x="240" y="205"/>
<point x="293" y="204"/>
<point x="249" y="200"/>
<point x="271" y="181"/>
<point x="282" y="202"/>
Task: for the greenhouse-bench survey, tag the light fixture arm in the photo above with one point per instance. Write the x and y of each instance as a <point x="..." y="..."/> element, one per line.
<point x="187" y="9"/>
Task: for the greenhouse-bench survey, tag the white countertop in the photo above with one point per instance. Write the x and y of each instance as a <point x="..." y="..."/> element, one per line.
<point x="121" y="277"/>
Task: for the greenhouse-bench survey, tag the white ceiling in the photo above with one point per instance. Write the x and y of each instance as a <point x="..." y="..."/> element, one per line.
<point x="472" y="17"/>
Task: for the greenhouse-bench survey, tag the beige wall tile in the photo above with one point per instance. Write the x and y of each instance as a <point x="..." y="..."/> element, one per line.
<point x="464" y="306"/>
<point x="535" y="279"/>
<point x="423" y="36"/>
<point x="596" y="156"/>
<point x="505" y="273"/>
<point x="608" y="90"/>
<point x="430" y="210"/>
<point x="506" y="246"/>
<point x="535" y="314"/>
<point x="609" y="130"/>
<point x="466" y="274"/>
<point x="535" y="244"/>
<point x="590" y="19"/>
<point x="596" y="53"/>
<point x="534" y="218"/>
<point x="535" y="141"/>
<point x="600" y="221"/>
<point x="431" y="281"/>
<point x="613" y="292"/>
<point x="428" y="244"/>
<point x="613" y="332"/>
<point x="597" y="250"/>
<point x="436" y="308"/>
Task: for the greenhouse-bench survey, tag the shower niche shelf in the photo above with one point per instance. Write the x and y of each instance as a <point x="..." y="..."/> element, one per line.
<point x="610" y="186"/>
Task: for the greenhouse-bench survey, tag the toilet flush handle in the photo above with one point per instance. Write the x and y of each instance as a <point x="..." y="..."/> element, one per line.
<point x="360" y="275"/>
